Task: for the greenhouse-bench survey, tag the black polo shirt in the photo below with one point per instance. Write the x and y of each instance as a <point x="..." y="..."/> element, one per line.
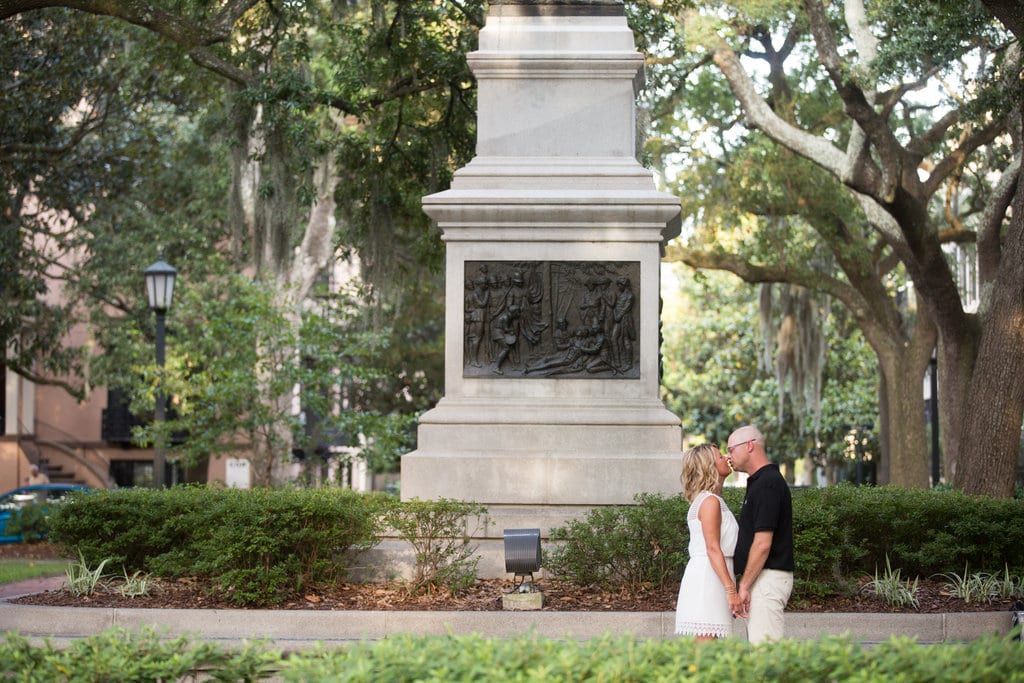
<point x="767" y="506"/>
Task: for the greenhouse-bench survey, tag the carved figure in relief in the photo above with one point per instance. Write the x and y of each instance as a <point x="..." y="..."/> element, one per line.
<point x="506" y="337"/>
<point x="623" y="331"/>
<point x="476" y="313"/>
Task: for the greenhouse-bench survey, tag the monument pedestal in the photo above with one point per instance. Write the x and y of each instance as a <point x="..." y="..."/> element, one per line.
<point x="554" y="235"/>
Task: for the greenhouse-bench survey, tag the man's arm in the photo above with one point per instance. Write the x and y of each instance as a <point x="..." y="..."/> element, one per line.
<point x="759" y="550"/>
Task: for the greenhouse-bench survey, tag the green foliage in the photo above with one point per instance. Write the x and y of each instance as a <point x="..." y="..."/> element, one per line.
<point x="235" y="351"/>
<point x="270" y="544"/>
<point x="893" y="588"/>
<point x="440" y="536"/>
<point x="984" y="586"/>
<point x="256" y="546"/>
<point x="923" y="532"/>
<point x="842" y="534"/>
<point x="135" y="585"/>
<point x="119" y="655"/>
<point x="714" y="381"/>
<point x="627" y="547"/>
<point x="710" y="362"/>
<point x="161" y="156"/>
<point x="83" y="579"/>
<point x="131" y="527"/>
<point x="30" y="522"/>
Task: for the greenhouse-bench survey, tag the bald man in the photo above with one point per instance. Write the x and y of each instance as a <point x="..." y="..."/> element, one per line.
<point x="764" y="548"/>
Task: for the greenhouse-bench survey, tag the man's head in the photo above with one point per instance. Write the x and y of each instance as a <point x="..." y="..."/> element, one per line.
<point x="745" y="449"/>
<point x="34" y="469"/>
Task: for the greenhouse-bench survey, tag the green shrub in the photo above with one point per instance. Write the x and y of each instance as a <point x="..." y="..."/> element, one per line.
<point x="628" y="547"/>
<point x="31" y="522"/>
<point x="842" y="534"/>
<point x="439" y="534"/>
<point x="272" y="543"/>
<point x="258" y="546"/>
<point x="117" y="655"/>
<point x="130" y="527"/>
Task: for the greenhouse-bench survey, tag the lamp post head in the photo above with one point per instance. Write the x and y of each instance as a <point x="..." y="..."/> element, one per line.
<point x="160" y="285"/>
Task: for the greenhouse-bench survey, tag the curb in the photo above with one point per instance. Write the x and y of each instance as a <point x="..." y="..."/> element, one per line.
<point x="297" y="629"/>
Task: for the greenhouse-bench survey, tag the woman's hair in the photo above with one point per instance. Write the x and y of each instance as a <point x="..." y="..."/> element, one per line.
<point x="699" y="473"/>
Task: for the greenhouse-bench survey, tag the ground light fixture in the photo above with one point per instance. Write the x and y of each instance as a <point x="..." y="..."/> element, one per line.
<point x="522" y="557"/>
<point x="160" y="290"/>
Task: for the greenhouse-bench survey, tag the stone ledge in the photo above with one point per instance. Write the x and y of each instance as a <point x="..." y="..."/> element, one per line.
<point x="294" y="629"/>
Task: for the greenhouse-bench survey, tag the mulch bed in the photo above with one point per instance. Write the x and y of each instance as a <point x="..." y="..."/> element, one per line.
<point x="933" y="596"/>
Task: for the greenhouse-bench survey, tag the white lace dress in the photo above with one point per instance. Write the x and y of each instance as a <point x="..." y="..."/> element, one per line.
<point x="702" y="608"/>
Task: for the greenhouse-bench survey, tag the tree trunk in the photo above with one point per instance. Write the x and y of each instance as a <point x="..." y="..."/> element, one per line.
<point x="907" y="454"/>
<point x="884" y="431"/>
<point x="994" y="409"/>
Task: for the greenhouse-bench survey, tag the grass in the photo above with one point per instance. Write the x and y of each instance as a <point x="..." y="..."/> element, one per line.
<point x="19" y="570"/>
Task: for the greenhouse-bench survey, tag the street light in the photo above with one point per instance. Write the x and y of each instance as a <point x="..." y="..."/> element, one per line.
<point x="160" y="289"/>
<point x="931" y="410"/>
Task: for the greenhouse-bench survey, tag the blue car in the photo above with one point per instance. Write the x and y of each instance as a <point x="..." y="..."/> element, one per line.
<point x="36" y="493"/>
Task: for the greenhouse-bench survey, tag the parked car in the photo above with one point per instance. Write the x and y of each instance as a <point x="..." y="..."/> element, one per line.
<point x="18" y="498"/>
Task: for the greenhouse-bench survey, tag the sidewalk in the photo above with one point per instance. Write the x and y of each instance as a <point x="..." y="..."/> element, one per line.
<point x="299" y="629"/>
<point x="29" y="586"/>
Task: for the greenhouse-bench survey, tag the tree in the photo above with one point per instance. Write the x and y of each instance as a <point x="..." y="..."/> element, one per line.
<point x="714" y="381"/>
<point x="906" y="169"/>
<point x="231" y="354"/>
<point x="79" y="123"/>
<point x="339" y="117"/>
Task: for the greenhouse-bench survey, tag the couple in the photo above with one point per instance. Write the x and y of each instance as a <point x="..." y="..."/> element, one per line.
<point x="759" y="549"/>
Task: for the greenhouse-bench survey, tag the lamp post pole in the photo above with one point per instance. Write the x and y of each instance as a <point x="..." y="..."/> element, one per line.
<point x="160" y="411"/>
<point x="933" y="413"/>
<point x="160" y="290"/>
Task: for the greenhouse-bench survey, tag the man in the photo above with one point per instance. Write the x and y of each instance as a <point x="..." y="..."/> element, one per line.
<point x="764" y="548"/>
<point x="36" y="477"/>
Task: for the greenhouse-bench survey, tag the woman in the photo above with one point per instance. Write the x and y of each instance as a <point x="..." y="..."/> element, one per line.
<point x="707" y="594"/>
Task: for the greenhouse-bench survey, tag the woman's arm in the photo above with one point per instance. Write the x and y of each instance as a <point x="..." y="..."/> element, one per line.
<point x="710" y="516"/>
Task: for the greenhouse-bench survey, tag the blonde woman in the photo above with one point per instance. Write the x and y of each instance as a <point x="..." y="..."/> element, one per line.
<point x="708" y="599"/>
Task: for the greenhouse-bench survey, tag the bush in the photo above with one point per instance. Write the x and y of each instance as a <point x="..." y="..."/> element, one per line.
<point x="438" y="532"/>
<point x="129" y="527"/>
<point x="270" y="544"/>
<point x="117" y="655"/>
<point x="31" y="522"/>
<point x="258" y="546"/>
<point x="841" y="535"/>
<point x="628" y="547"/>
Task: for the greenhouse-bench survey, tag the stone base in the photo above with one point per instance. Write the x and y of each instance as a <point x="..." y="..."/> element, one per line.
<point x="522" y="601"/>
<point x="395" y="559"/>
<point x="538" y="479"/>
<point x="544" y="452"/>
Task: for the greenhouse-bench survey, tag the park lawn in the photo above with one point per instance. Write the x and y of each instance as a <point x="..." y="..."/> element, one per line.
<point x="19" y="570"/>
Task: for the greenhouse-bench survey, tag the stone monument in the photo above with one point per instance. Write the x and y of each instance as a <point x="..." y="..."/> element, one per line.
<point x="553" y="236"/>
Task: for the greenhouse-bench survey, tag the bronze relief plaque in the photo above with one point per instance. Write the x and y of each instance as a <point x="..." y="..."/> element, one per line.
<point x="551" y="319"/>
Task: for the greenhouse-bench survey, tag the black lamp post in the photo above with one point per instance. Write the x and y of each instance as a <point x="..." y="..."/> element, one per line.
<point x="931" y="397"/>
<point x="160" y="289"/>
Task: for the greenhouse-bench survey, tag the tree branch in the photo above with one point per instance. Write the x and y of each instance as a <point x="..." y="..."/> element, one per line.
<point x="763" y="118"/>
<point x="194" y="38"/>
<point x="956" y="158"/>
<point x="858" y="106"/>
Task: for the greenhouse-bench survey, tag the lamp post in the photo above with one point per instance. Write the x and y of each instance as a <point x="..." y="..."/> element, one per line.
<point x="160" y="289"/>
<point x="931" y="397"/>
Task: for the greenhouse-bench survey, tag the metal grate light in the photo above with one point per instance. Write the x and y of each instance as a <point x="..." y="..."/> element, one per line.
<point x="522" y="551"/>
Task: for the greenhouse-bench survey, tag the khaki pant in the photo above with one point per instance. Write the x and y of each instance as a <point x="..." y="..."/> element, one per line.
<point x="768" y="598"/>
